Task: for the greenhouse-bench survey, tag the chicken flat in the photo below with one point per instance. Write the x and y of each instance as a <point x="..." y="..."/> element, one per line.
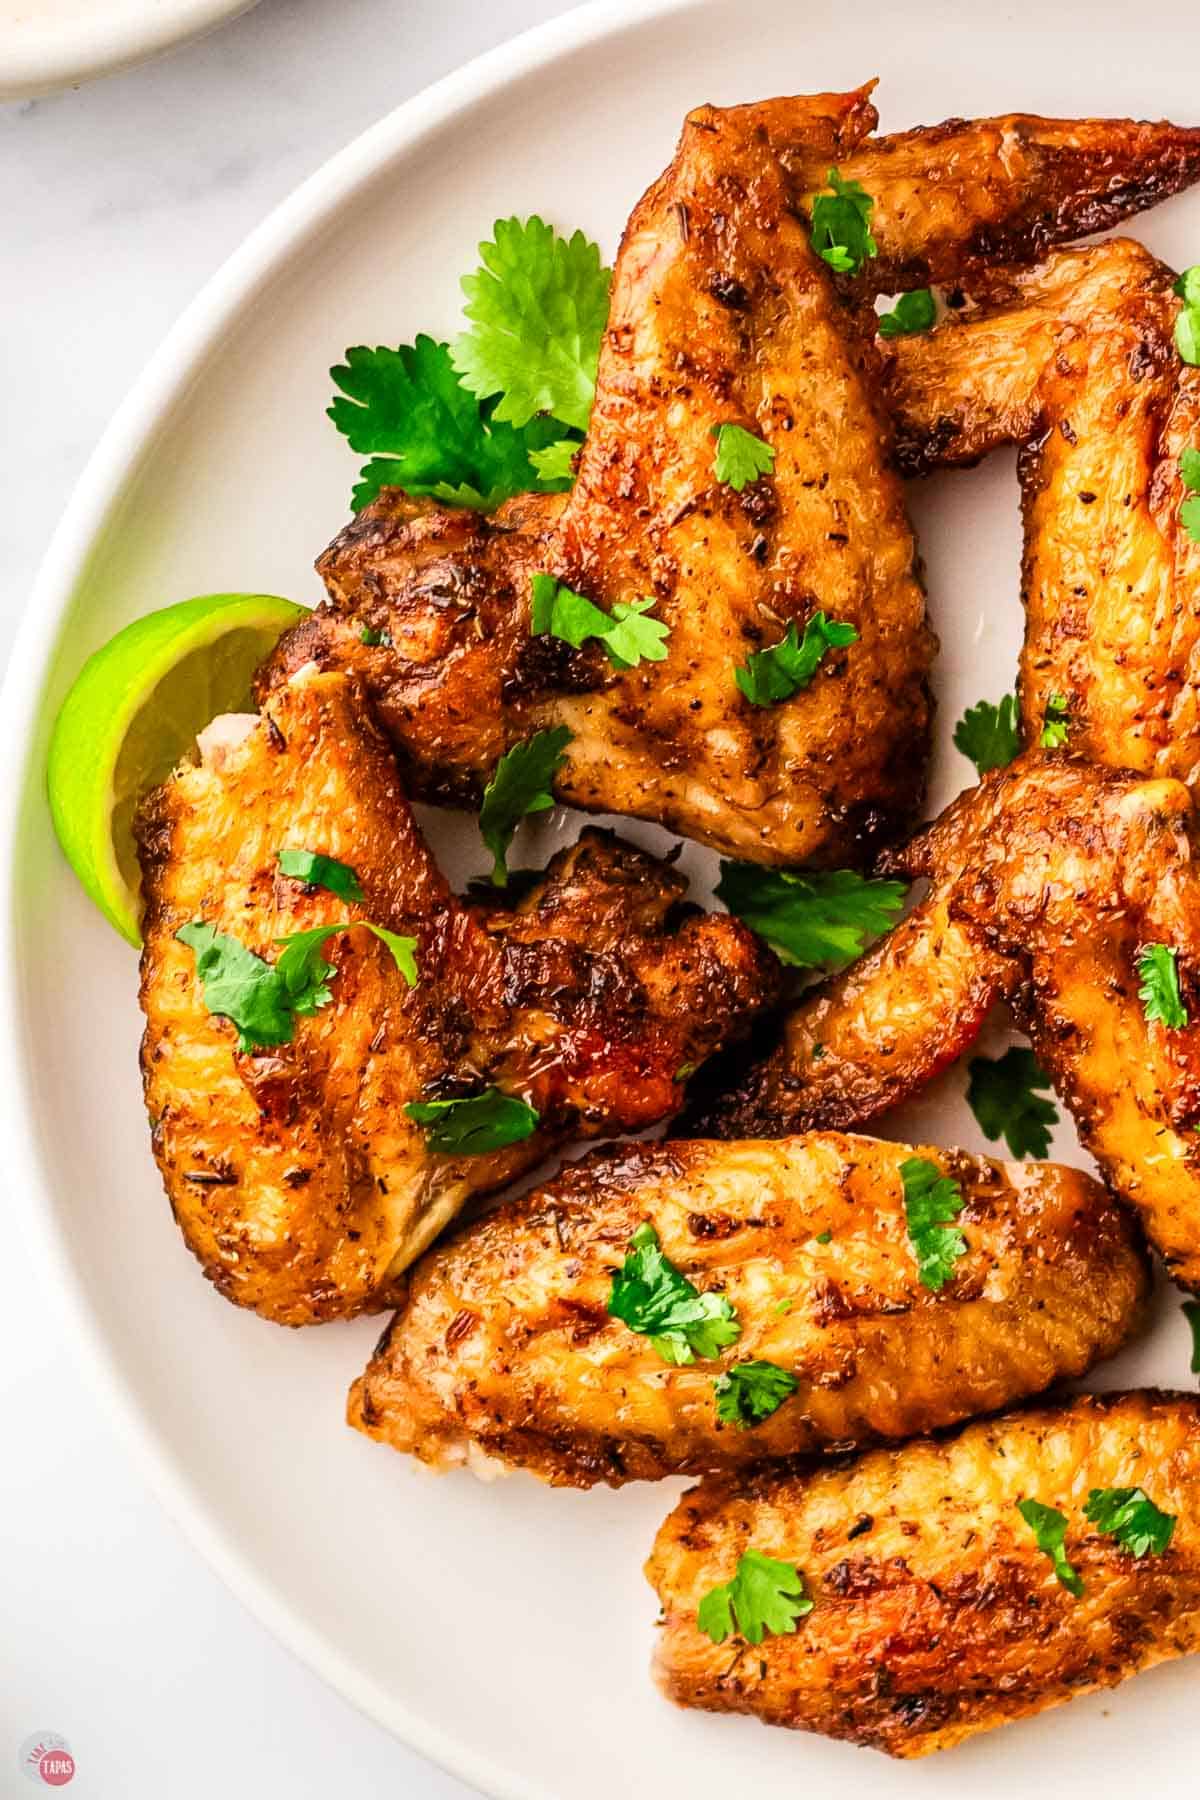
<point x="1048" y="884"/>
<point x="298" y="1178"/>
<point x="505" y="1351"/>
<point x="1076" y="361"/>
<point x="935" y="1614"/>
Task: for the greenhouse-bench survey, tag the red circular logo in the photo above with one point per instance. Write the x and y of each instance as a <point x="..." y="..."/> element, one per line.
<point x="56" y="1767"/>
<point x="45" y="1758"/>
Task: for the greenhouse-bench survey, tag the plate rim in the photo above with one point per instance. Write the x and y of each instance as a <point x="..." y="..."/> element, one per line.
<point x="43" y="60"/>
<point x="96" y="496"/>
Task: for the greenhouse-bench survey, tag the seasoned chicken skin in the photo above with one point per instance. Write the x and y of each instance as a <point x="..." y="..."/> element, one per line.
<point x="1076" y="361"/>
<point x="936" y="1616"/>
<point x="504" y="1350"/>
<point x="294" y="1172"/>
<point x="1047" y="883"/>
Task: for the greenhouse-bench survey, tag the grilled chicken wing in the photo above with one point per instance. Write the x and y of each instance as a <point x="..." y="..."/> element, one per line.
<point x="294" y="1172"/>
<point x="1076" y="361"/>
<point x="936" y="1615"/>
<point x="1047" y="883"/>
<point x="504" y="1350"/>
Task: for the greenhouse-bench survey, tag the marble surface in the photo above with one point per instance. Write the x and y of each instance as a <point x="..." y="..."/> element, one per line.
<point x="119" y="200"/>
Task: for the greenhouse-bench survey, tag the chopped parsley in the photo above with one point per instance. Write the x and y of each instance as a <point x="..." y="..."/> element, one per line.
<point x="988" y="734"/>
<point x="1187" y="325"/>
<point x="239" y="986"/>
<point x="932" y="1202"/>
<point x="841" y="225"/>
<point x="775" y="674"/>
<point x="741" y="457"/>
<point x="1189" y="512"/>
<point x="1002" y="1093"/>
<point x="628" y="635"/>
<point x="1162" y="1002"/>
<point x="475" y="1125"/>
<point x="1049" y="1527"/>
<point x="1131" y="1517"/>
<point x="317" y="870"/>
<point x="1191" y="1312"/>
<point x="1055" y="721"/>
<point x="912" y="313"/>
<point x="655" y="1299"/>
<point x="751" y="1391"/>
<point x="766" y="1598"/>
<point x="300" y="959"/>
<point x="825" y="1237"/>
<point x="821" y="919"/>
<point x="373" y="638"/>
<point x="520" y="785"/>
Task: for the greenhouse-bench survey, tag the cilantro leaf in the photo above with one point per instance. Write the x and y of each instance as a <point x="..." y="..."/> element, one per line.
<point x="476" y="1125"/>
<point x="1001" y="1093"/>
<point x="841" y="225"/>
<point x="655" y="1299"/>
<point x="520" y="785"/>
<point x="769" y="676"/>
<point x="1187" y="325"/>
<point x="320" y="871"/>
<point x="424" y="432"/>
<point x="741" y="457"/>
<point x="912" y="313"/>
<point x="628" y="636"/>
<point x="751" y="1392"/>
<point x="1158" y="966"/>
<point x="1055" y="722"/>
<point x="403" y="949"/>
<point x="1187" y="285"/>
<point x="1189" y="512"/>
<point x="239" y="986"/>
<point x="1191" y="1312"/>
<point x="1131" y="1517"/>
<point x="931" y="1204"/>
<point x="538" y="305"/>
<point x="303" y="969"/>
<point x="1049" y="1527"/>
<point x="988" y="734"/>
<point x="557" y="461"/>
<point x="765" y="1597"/>
<point x="819" y="919"/>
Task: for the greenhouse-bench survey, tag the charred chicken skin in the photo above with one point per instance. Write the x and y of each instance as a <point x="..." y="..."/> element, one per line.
<point x="1076" y="361"/>
<point x="294" y="1171"/>
<point x="936" y="1615"/>
<point x="504" y="1351"/>
<point x="1047" y="883"/>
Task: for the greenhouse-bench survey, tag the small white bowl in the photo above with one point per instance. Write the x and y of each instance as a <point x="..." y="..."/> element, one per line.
<point x="49" y="44"/>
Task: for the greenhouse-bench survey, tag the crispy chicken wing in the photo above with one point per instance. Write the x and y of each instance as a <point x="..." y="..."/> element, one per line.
<point x="935" y="1613"/>
<point x="1076" y="361"/>
<point x="1047" y="883"/>
<point x="504" y="1350"/>
<point x="294" y="1172"/>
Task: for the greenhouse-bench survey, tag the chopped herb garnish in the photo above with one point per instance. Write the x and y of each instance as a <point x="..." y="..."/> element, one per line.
<point x="818" y="920"/>
<point x="782" y="1307"/>
<point x="557" y="461"/>
<point x="1187" y="325"/>
<point x="1131" y="1517"/>
<point x="653" y="1297"/>
<point x="912" y="313"/>
<point x="741" y="457"/>
<point x="300" y="959"/>
<point x="372" y="638"/>
<point x="764" y="1599"/>
<point x="841" y="225"/>
<point x="1162" y="1002"/>
<point x="1049" y="1527"/>
<point x="1191" y="1312"/>
<point x="320" y="871"/>
<point x="988" y="734"/>
<point x="769" y="676"/>
<point x="1189" y="512"/>
<point x="628" y="635"/>
<point x="751" y="1392"/>
<point x="241" y="987"/>
<point x="1055" y="721"/>
<point x="1002" y="1093"/>
<point x="932" y="1202"/>
<point x="520" y="785"/>
<point x="825" y="1237"/>
<point x="476" y="1125"/>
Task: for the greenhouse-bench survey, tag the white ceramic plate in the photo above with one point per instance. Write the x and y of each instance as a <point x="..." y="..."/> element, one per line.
<point x="503" y="1630"/>
<point x="49" y="44"/>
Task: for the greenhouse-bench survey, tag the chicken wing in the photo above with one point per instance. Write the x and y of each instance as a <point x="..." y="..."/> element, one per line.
<point x="1048" y="882"/>
<point x="935" y="1613"/>
<point x="504" y="1351"/>
<point x="1075" y="360"/>
<point x="294" y="1170"/>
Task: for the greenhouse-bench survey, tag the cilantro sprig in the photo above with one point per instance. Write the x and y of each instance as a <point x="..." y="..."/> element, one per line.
<point x="741" y="457"/>
<point x="655" y="1299"/>
<point x="1003" y="1094"/>
<point x="821" y="919"/>
<point x="475" y="1125"/>
<point x="783" y="669"/>
<point x="1162" y="1002"/>
<point x="520" y="785"/>
<point x="318" y="870"/>
<point x="912" y="313"/>
<point x="932" y="1202"/>
<point x="1049" y="1527"/>
<point x="1055" y="722"/>
<point x="751" y="1391"/>
<point x="1191" y="1312"/>
<point x="766" y="1597"/>
<point x="1131" y="1517"/>
<point x="841" y="225"/>
<point x="628" y="633"/>
<point x="988" y="735"/>
<point x="1187" y="325"/>
<point x="1189" y="512"/>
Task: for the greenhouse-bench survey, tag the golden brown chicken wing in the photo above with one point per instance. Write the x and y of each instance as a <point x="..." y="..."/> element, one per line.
<point x="935" y="1614"/>
<point x="505" y="1351"/>
<point x="293" y="1168"/>
<point x="1048" y="884"/>
<point x="1076" y="361"/>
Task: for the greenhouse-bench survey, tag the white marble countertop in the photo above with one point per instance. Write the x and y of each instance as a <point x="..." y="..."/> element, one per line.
<point x="120" y="199"/>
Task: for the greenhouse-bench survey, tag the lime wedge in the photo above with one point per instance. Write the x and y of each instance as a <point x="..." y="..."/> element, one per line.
<point x="134" y="713"/>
